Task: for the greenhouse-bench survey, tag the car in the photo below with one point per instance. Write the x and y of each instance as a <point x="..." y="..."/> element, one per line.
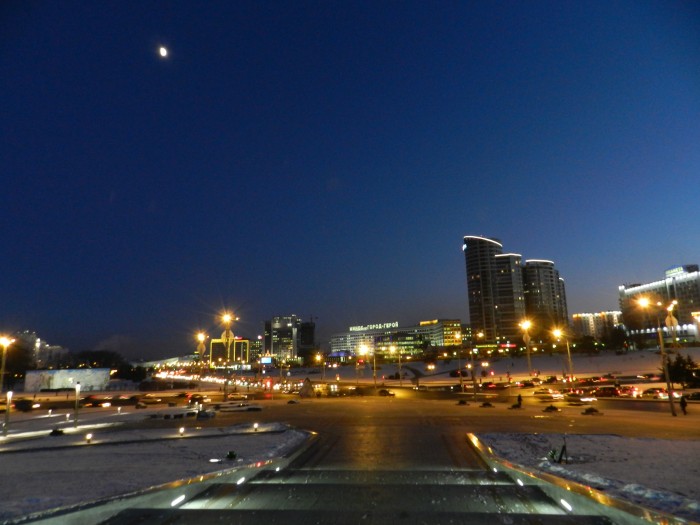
<point x="578" y="396"/>
<point x="199" y="398"/>
<point x="606" y="391"/>
<point x="386" y="393"/>
<point x="655" y="393"/>
<point x="237" y="407"/>
<point x="628" y="391"/>
<point x="548" y="394"/>
<point x="25" y="405"/>
<point x="150" y="399"/>
<point x="693" y="396"/>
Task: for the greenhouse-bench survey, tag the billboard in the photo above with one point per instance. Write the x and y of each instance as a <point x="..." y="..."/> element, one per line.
<point x="89" y="379"/>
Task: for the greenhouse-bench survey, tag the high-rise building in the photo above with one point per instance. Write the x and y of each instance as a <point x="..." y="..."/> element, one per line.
<point x="545" y="298"/>
<point x="288" y="338"/>
<point x="479" y="254"/>
<point x="501" y="293"/>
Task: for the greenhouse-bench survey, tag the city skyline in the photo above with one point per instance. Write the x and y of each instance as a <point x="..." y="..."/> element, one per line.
<point x="326" y="159"/>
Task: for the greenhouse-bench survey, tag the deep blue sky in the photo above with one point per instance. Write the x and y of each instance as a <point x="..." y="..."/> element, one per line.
<point x="326" y="158"/>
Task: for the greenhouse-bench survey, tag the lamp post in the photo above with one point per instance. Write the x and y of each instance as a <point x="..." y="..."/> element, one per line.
<point x="558" y="334"/>
<point x="8" y="408"/>
<point x="4" y="342"/>
<point x="77" y="403"/>
<point x="670" y="322"/>
<point x="526" y="325"/>
<point x="374" y="366"/>
<point x="458" y="339"/>
<point x="322" y="359"/>
<point x="201" y="350"/>
<point x="393" y="349"/>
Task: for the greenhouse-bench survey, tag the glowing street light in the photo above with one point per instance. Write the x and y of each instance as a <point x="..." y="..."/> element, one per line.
<point x="526" y="325"/>
<point x="393" y="349"/>
<point x="671" y="323"/>
<point x="458" y="340"/>
<point x="320" y="359"/>
<point x="4" y="342"/>
<point x="558" y="333"/>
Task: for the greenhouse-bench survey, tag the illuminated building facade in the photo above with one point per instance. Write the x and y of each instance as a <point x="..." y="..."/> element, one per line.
<point x="408" y="340"/>
<point x="597" y="325"/>
<point x="681" y="284"/>
<point x="545" y="296"/>
<point x="502" y="292"/>
<point x="288" y="338"/>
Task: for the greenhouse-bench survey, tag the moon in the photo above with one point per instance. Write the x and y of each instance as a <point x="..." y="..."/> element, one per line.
<point x="163" y="51"/>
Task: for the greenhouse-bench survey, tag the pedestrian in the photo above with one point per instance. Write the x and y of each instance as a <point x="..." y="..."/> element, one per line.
<point x="520" y="401"/>
<point x="684" y="405"/>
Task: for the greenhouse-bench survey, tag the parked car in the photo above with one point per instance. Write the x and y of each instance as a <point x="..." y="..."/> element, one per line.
<point x="694" y="396"/>
<point x="386" y="393"/>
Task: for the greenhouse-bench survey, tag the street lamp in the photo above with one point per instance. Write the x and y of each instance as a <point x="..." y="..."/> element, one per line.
<point x="526" y="325"/>
<point x="671" y="323"/>
<point x="558" y="334"/>
<point x="8" y="407"/>
<point x="458" y="340"/>
<point x="4" y="342"/>
<point x="321" y="358"/>
<point x="393" y="349"/>
<point x="77" y="403"/>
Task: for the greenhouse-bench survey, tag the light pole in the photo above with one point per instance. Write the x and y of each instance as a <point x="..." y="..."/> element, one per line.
<point x="374" y="366"/>
<point x="526" y="325"/>
<point x="558" y="334"/>
<point x="458" y="339"/>
<point x="77" y="403"/>
<point x="670" y="322"/>
<point x="227" y="337"/>
<point x="201" y="350"/>
<point x="393" y="349"/>
<point x="321" y="358"/>
<point x="8" y="408"/>
<point x="4" y="342"/>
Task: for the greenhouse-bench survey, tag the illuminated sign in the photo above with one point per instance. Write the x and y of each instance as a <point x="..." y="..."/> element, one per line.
<point x="266" y="360"/>
<point x="380" y="326"/>
<point x="675" y="271"/>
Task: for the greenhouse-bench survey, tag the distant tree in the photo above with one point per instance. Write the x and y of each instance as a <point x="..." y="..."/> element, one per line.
<point x="99" y="359"/>
<point x="615" y="338"/>
<point x="19" y="359"/>
<point x="681" y="368"/>
<point x="132" y="373"/>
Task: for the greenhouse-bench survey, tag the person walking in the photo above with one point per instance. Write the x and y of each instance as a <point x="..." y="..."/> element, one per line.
<point x="684" y="405"/>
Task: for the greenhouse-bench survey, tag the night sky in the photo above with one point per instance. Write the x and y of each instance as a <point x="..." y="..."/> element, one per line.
<point x="326" y="158"/>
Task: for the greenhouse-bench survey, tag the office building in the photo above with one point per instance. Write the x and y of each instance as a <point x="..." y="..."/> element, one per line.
<point x="681" y="284"/>
<point x="388" y="339"/>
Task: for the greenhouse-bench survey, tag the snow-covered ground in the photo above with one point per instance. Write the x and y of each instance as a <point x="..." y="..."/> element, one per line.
<point x="64" y="470"/>
<point x="655" y="473"/>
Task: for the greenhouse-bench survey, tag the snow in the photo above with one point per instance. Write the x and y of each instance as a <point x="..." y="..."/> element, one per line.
<point x="655" y="473"/>
<point x="64" y="470"/>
